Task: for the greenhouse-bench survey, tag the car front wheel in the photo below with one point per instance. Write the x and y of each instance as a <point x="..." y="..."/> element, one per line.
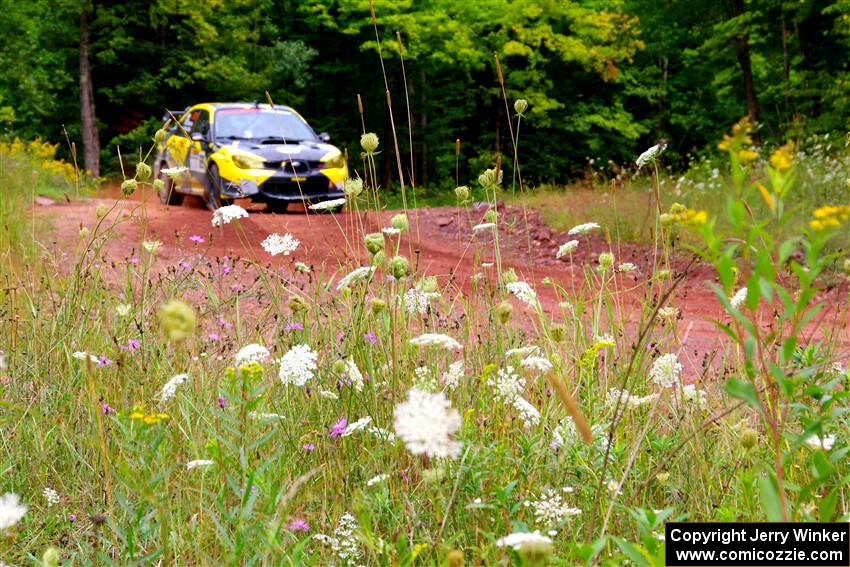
<point x="212" y="194"/>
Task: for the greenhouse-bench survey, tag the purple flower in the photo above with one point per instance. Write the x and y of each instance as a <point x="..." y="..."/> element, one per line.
<point x="132" y="344"/>
<point x="223" y="322"/>
<point x="214" y="337"/>
<point x="404" y="476"/>
<point x="72" y="518"/>
<point x="308" y="446"/>
<point x="186" y="266"/>
<point x="134" y="260"/>
<point x="221" y="401"/>
<point x="294" y="327"/>
<point x="106" y="409"/>
<point x="236" y="287"/>
<point x="390" y="278"/>
<point x="370" y="337"/>
<point x="102" y="361"/>
<point x="298" y="525"/>
<point x="197" y="239"/>
<point x="338" y="428"/>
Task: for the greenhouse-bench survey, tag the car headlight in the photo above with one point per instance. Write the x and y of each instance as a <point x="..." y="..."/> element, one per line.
<point x="336" y="162"/>
<point x="248" y="162"/>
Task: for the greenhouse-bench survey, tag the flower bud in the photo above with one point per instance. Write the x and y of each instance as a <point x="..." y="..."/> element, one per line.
<point x="84" y="233"/>
<point x="559" y="333"/>
<point x="428" y="284"/>
<point x="128" y="187"/>
<point x="490" y="179"/>
<point x="339" y="367"/>
<point x="369" y="142"/>
<point x="160" y="135"/>
<point x="749" y="438"/>
<point x="374" y="242"/>
<point x="158" y="184"/>
<point x="454" y="558"/>
<point x="491" y="216"/>
<point x="377" y="305"/>
<point x="662" y="478"/>
<point x="400" y="222"/>
<point x="462" y="193"/>
<point x="504" y="311"/>
<point x="101" y="211"/>
<point x="606" y="260"/>
<point x="379" y="258"/>
<point x="178" y="320"/>
<point x="399" y="267"/>
<point x="143" y="171"/>
<point x="520" y="105"/>
<point x="297" y="304"/>
<point x="352" y="187"/>
<point x="846" y="266"/>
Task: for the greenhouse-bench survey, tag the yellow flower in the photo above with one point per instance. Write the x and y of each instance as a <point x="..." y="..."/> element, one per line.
<point x="768" y="198"/>
<point x="830" y="216"/>
<point x="782" y="158"/>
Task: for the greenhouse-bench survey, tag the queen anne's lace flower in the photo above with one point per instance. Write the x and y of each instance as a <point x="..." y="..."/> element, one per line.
<point x="524" y="352"/>
<point x="616" y="395"/>
<point x="298" y="365"/>
<point x="11" y="510"/>
<point x="738" y="299"/>
<point x="51" y="496"/>
<point x="356" y="426"/>
<point x="650" y="155"/>
<point x="252" y="353"/>
<point x="524" y="293"/>
<point x="666" y="370"/>
<point x="228" y="213"/>
<point x="198" y="463"/>
<point x="508" y="384"/>
<point x="528" y="413"/>
<point x="696" y="396"/>
<point x="417" y="301"/>
<point x="816" y="442"/>
<point x="523" y="541"/>
<point x="276" y="244"/>
<point x="483" y="226"/>
<point x="344" y="543"/>
<point x="437" y="340"/>
<point x="536" y="363"/>
<point x="566" y="248"/>
<point x="325" y="205"/>
<point x="453" y="376"/>
<point x="170" y="387"/>
<point x="583" y="228"/>
<point x="426" y="423"/>
<point x="564" y="434"/>
<point x="550" y="510"/>
<point x="360" y="273"/>
<point x="353" y="375"/>
<point x="377" y="479"/>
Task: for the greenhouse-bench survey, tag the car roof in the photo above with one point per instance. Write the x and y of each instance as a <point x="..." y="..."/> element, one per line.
<point x="228" y="105"/>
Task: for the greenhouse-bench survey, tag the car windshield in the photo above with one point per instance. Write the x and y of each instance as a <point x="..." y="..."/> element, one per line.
<point x="261" y="124"/>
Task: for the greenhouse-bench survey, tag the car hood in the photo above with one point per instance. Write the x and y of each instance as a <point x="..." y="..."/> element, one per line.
<point x="307" y="151"/>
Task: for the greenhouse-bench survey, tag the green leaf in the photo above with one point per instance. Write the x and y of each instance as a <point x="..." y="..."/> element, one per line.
<point x="632" y="552"/>
<point x="770" y="498"/>
<point x="742" y="390"/>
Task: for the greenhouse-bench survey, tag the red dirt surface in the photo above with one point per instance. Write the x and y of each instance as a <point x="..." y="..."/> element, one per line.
<point x="441" y="243"/>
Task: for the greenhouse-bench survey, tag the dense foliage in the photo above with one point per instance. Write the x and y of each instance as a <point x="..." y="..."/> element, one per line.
<point x="603" y="79"/>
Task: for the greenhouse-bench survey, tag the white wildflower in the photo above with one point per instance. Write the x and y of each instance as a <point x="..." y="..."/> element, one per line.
<point x="356" y="426"/>
<point x="550" y="509"/>
<point x="252" y="353"/>
<point x="353" y="374"/>
<point x="524" y="352"/>
<point x="174" y="172"/>
<point x="302" y="268"/>
<point x="391" y="231"/>
<point x="276" y="244"/>
<point x="298" y="365"/>
<point x="360" y="273"/>
<point x="170" y="387"/>
<point x="567" y="248"/>
<point x="151" y="245"/>
<point x="536" y="363"/>
<point x="650" y="155"/>
<point x="508" y="384"/>
<point x="381" y="433"/>
<point x="627" y="398"/>
<point x="198" y="463"/>
<point x="483" y="226"/>
<point x="613" y="487"/>
<point x="51" y="496"/>
<point x="11" y="510"/>
<point x="265" y="416"/>
<point x="669" y="312"/>
<point x="426" y="422"/>
<point x="524" y="293"/>
<point x="328" y="395"/>
<point x="123" y="309"/>
<point x="377" y="479"/>
<point x="325" y="205"/>
<point x="224" y="215"/>
<point x="583" y="228"/>
<point x="738" y="299"/>
<point x="436" y="339"/>
<point x="817" y="442"/>
<point x="453" y="376"/>
<point x="626" y="267"/>
<point x="528" y="413"/>
<point x="666" y="370"/>
<point x="417" y="301"/>
<point x="564" y="434"/>
<point x="344" y="543"/>
<point x="695" y="395"/>
<point x="526" y="541"/>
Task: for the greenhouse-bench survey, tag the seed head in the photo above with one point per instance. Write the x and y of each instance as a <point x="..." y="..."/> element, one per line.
<point x="400" y="222"/>
<point x="374" y="242"/>
<point x="749" y="438"/>
<point x="491" y="216"/>
<point x="84" y="232"/>
<point x="606" y="260"/>
<point x="160" y="135"/>
<point x="158" y="184"/>
<point x="128" y="187"/>
<point x="178" y="320"/>
<point x="298" y="304"/>
<point x="462" y="193"/>
<point x="399" y="267"/>
<point x="101" y="211"/>
<point x="369" y="142"/>
<point x="143" y="171"/>
<point x="504" y="311"/>
<point x="378" y="305"/>
<point x="520" y="105"/>
<point x="352" y="187"/>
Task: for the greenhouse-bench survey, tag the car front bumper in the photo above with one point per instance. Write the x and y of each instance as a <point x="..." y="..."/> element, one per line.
<point x="287" y="188"/>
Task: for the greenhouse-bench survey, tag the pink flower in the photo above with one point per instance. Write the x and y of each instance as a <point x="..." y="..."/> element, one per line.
<point x="294" y="327"/>
<point x="298" y="525"/>
<point x="102" y="361"/>
<point x="370" y="337"/>
<point x="338" y="428"/>
<point x="197" y="239"/>
<point x="185" y="266"/>
<point x="132" y="344"/>
<point x="308" y="447"/>
<point x="221" y="402"/>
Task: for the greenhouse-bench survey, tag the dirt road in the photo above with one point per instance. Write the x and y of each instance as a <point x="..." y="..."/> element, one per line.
<point x="441" y="243"/>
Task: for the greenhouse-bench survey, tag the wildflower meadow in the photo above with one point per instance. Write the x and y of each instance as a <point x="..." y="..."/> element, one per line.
<point x="437" y="388"/>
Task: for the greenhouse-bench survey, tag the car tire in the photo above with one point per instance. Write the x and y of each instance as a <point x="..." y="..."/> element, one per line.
<point x="168" y="195"/>
<point x="212" y="194"/>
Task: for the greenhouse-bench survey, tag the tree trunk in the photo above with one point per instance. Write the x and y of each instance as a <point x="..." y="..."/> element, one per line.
<point x="786" y="65"/>
<point x="743" y="54"/>
<point x="88" y="119"/>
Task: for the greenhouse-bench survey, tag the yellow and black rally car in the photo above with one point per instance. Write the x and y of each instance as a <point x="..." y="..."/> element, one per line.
<point x="223" y="151"/>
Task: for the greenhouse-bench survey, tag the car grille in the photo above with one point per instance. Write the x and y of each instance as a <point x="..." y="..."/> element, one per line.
<point x="296" y="166"/>
<point x="311" y="186"/>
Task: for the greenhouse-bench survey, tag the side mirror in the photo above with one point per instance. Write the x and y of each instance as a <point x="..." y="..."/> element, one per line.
<point x="325" y="137"/>
<point x="198" y="137"/>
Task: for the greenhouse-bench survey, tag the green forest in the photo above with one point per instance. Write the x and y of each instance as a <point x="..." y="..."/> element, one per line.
<point x="604" y="80"/>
